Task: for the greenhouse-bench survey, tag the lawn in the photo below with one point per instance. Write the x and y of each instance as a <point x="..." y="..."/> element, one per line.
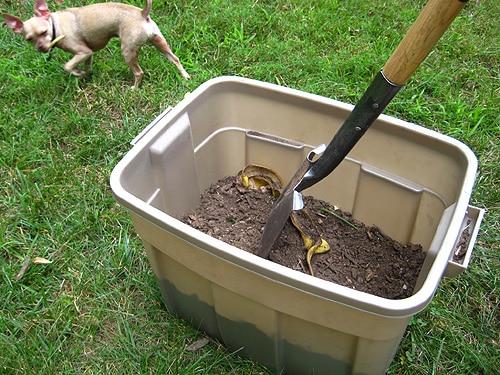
<point x="96" y="308"/>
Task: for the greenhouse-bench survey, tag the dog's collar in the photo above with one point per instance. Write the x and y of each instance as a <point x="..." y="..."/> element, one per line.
<point x="53" y="28"/>
<point x="53" y="37"/>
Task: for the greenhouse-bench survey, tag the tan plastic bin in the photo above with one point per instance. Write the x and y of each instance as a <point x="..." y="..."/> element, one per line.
<point x="411" y="182"/>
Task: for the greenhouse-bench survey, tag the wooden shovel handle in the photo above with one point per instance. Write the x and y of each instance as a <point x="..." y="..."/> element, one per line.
<point x="420" y="38"/>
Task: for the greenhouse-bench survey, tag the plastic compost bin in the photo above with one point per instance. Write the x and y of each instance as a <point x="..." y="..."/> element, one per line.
<point x="411" y="182"/>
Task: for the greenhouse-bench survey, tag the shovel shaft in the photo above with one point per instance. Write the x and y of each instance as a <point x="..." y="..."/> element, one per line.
<point x="369" y="107"/>
<point x="420" y="38"/>
<point x="413" y="49"/>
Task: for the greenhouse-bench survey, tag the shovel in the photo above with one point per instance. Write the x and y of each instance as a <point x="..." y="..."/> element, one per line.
<point x="413" y="49"/>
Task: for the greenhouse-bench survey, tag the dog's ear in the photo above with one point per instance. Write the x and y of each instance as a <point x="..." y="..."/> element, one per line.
<point x="41" y="9"/>
<point x="14" y="23"/>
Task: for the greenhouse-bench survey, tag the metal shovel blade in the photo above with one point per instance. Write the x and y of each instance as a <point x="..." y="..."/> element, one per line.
<point x="290" y="199"/>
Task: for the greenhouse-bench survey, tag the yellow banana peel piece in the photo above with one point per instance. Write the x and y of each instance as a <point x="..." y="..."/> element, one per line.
<point x="313" y="247"/>
<point x="255" y="176"/>
<point x="321" y="246"/>
<point x="56" y="40"/>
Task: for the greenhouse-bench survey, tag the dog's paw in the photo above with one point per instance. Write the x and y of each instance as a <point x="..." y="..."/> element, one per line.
<point x="78" y="73"/>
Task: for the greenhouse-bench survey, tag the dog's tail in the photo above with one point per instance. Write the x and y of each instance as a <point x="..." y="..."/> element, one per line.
<point x="147" y="9"/>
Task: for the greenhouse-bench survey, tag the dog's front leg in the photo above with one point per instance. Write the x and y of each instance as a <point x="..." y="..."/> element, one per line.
<point x="88" y="65"/>
<point x="132" y="58"/>
<point x="79" y="58"/>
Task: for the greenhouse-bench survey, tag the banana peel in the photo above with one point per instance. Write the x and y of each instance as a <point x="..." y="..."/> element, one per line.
<point x="55" y="41"/>
<point x="258" y="177"/>
<point x="321" y="246"/>
<point x="255" y="176"/>
<point x="317" y="246"/>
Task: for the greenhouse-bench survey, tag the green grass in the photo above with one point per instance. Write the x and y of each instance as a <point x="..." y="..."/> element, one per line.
<point x="96" y="309"/>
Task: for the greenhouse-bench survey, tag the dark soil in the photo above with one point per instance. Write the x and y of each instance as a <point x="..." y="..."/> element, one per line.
<point x="361" y="258"/>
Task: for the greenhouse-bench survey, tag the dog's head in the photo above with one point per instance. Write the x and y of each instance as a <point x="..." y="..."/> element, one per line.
<point x="37" y="30"/>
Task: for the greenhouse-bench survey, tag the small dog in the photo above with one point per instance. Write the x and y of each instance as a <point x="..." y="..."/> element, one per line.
<point x="85" y="30"/>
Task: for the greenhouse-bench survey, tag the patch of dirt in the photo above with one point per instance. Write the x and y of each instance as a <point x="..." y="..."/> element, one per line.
<point x="361" y="257"/>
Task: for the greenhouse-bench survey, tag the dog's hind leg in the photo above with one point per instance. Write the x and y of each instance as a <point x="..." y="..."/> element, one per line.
<point x="161" y="45"/>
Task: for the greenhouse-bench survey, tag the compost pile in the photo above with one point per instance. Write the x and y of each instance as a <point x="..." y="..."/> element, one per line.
<point x="360" y="257"/>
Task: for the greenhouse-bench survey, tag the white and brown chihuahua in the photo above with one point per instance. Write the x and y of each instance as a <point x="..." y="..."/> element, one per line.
<point x="87" y="29"/>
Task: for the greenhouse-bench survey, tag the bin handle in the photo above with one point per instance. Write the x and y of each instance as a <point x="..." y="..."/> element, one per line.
<point x="146" y="130"/>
